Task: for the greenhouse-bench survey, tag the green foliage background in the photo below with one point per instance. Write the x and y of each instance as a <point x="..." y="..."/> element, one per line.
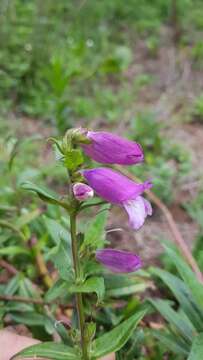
<point x="56" y="57"/>
<point x="69" y="62"/>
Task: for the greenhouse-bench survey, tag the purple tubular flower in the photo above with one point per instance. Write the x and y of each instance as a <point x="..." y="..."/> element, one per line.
<point x="108" y="148"/>
<point x="82" y="191"/>
<point x="120" y="190"/>
<point x="118" y="261"/>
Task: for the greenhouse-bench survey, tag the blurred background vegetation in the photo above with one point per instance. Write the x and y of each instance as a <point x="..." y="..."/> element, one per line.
<point x="135" y="67"/>
<point x="132" y="67"/>
<point x="60" y="61"/>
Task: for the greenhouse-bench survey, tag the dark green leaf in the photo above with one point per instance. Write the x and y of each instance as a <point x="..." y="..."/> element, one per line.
<point x="14" y="250"/>
<point x="95" y="233"/>
<point x="183" y="324"/>
<point x="57" y="231"/>
<point x="171" y="342"/>
<point x="116" y="338"/>
<point x="44" y="194"/>
<point x="121" y="284"/>
<point x="13" y="285"/>
<point x="91" y="267"/>
<point x="27" y="218"/>
<point x="29" y="318"/>
<point x="49" y="350"/>
<point x="59" y="289"/>
<point x="187" y="275"/>
<point x="61" y="258"/>
<point x="8" y="225"/>
<point x="182" y="294"/>
<point x="137" y="340"/>
<point x="93" y="284"/>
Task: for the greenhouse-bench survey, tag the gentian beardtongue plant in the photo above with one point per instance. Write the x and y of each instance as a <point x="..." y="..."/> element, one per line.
<point x="108" y="148"/>
<point x="76" y="270"/>
<point x="118" y="261"/>
<point x="82" y="191"/>
<point x="117" y="189"/>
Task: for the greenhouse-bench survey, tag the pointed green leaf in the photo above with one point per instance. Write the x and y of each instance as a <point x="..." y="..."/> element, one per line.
<point x="29" y="318"/>
<point x="43" y="194"/>
<point x="187" y="275"/>
<point x="61" y="258"/>
<point x="8" y="225"/>
<point x="58" y="290"/>
<point x="57" y="231"/>
<point x="50" y="350"/>
<point x="170" y="342"/>
<point x="124" y="284"/>
<point x="91" y="267"/>
<point x="183" y="324"/>
<point x="13" y="285"/>
<point x="93" y="284"/>
<point x="95" y="234"/>
<point x="14" y="250"/>
<point x="182" y="294"/>
<point x="115" y="339"/>
<point x="27" y="218"/>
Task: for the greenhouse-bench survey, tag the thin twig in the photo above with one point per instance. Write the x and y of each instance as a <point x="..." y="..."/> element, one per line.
<point x="10" y="268"/>
<point x="41" y="265"/>
<point x="27" y="300"/>
<point x="24" y="299"/>
<point x="180" y="242"/>
<point x="43" y="269"/>
<point x="6" y="224"/>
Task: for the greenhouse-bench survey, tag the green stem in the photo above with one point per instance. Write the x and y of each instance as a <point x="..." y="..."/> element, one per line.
<point x="76" y="263"/>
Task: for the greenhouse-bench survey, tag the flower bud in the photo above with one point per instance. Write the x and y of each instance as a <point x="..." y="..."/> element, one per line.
<point x="74" y="136"/>
<point x="108" y="148"/>
<point x="118" y="261"/>
<point x="82" y="191"/>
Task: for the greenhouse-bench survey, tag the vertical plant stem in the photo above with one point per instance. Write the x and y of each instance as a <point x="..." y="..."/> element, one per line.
<point x="175" y="21"/>
<point x="76" y="263"/>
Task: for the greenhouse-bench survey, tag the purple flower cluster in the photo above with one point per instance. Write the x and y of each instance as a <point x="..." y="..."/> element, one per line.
<point x="115" y="188"/>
